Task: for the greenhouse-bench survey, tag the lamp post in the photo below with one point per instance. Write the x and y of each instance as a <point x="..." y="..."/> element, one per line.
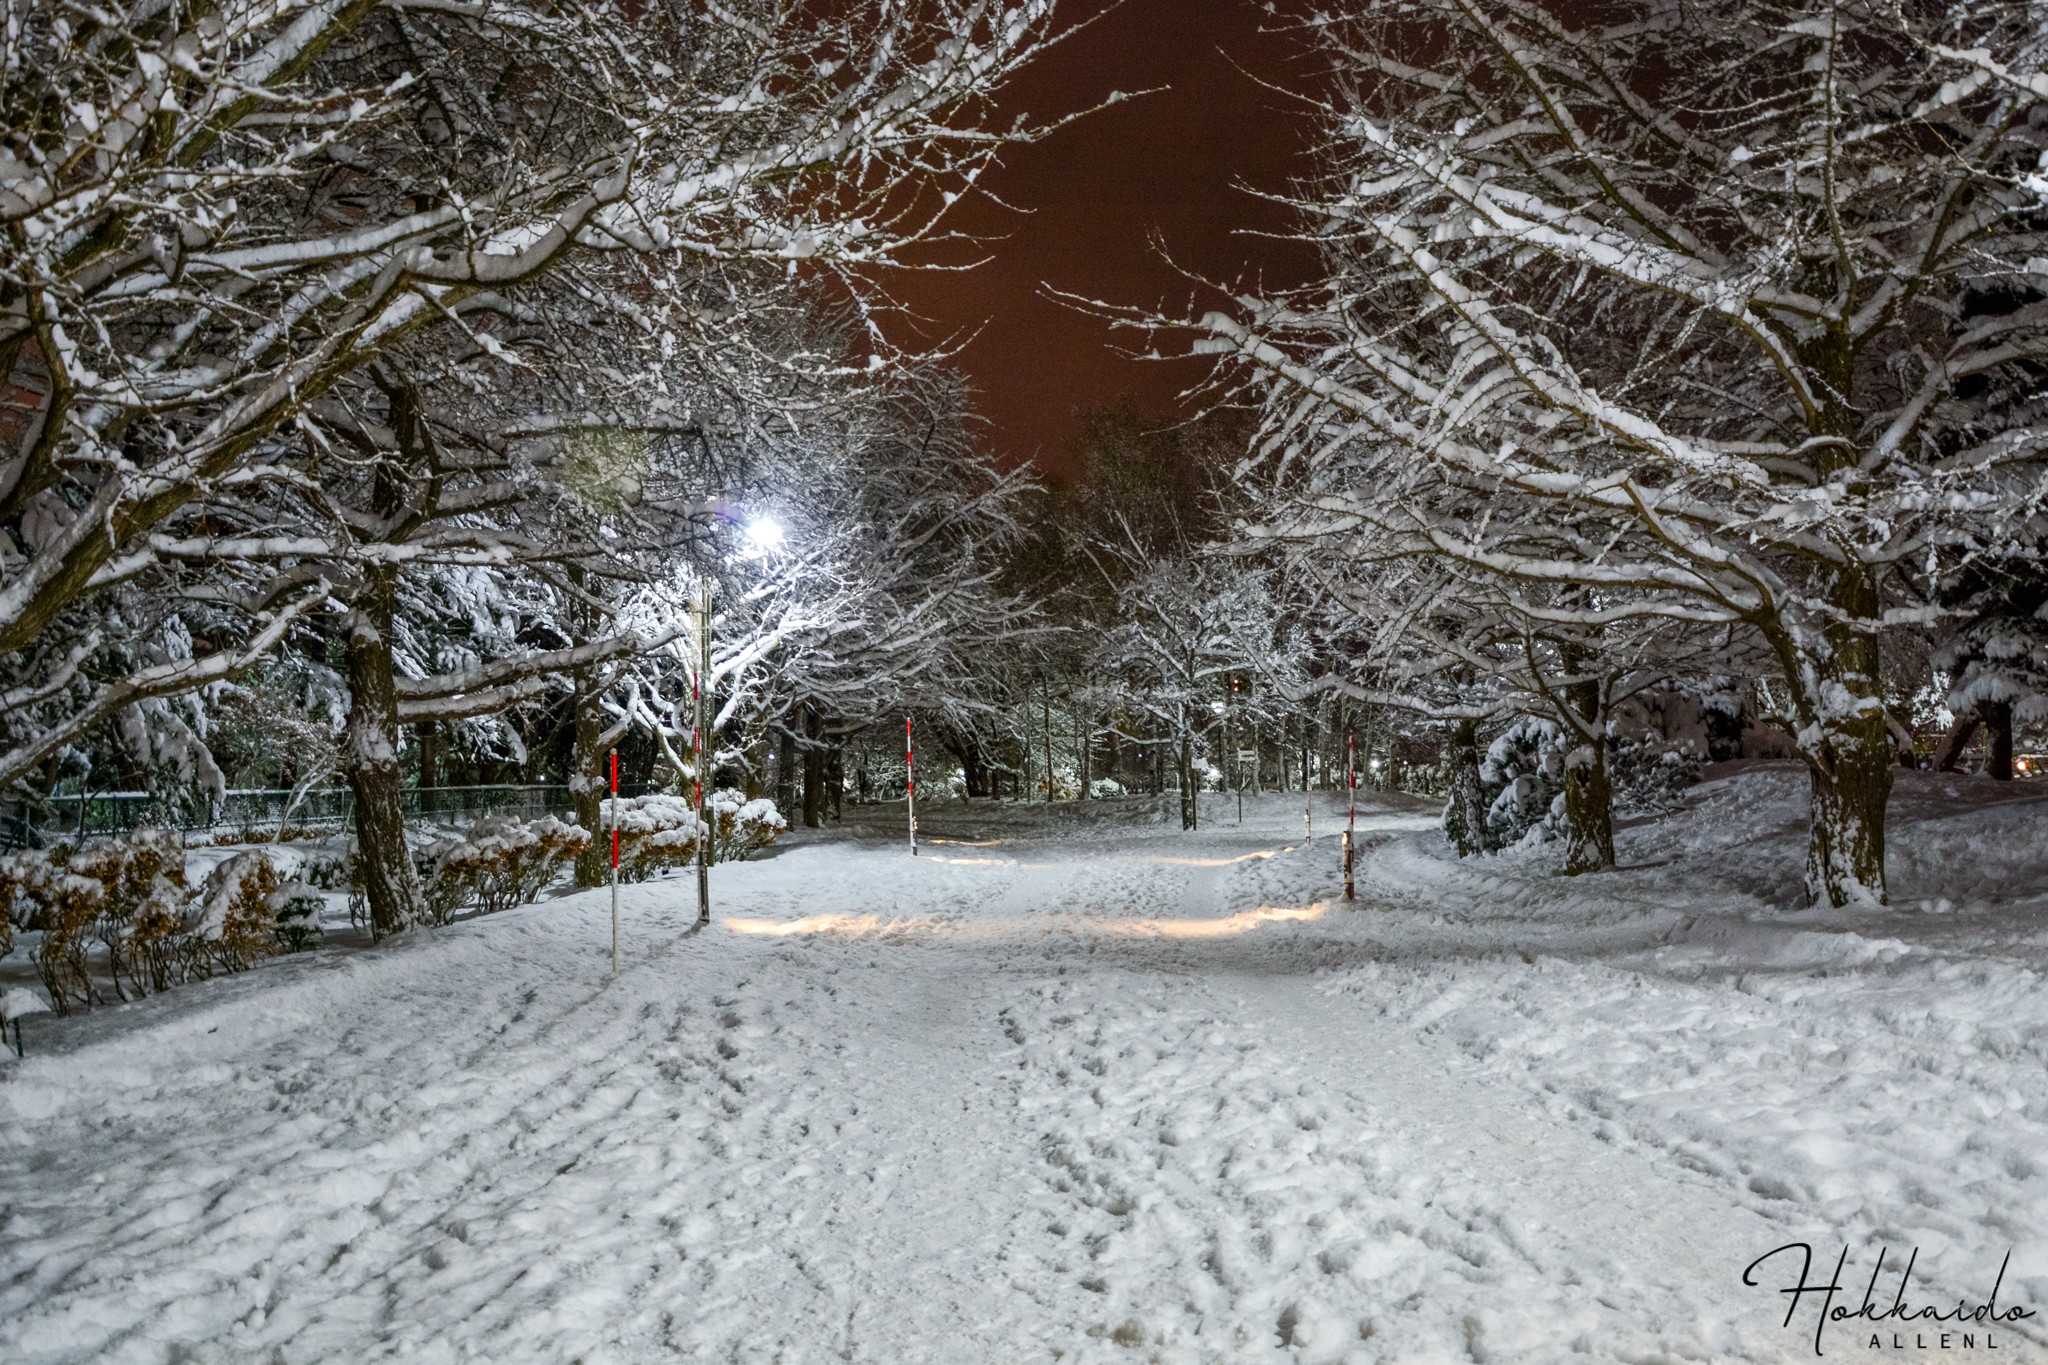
<point x="700" y="746"/>
<point x="764" y="536"/>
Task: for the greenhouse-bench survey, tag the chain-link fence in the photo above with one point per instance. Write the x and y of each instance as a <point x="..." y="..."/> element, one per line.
<point x="260" y="810"/>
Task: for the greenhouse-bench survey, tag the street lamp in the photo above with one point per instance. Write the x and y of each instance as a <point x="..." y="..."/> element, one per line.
<point x="764" y="536"/>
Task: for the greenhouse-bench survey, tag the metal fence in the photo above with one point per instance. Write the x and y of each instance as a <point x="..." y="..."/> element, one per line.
<point x="252" y="810"/>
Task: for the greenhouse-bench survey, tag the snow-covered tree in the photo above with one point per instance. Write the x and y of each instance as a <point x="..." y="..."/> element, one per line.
<point x="1996" y="657"/>
<point x="1727" y="321"/>
<point x="856" y="556"/>
<point x="232" y="231"/>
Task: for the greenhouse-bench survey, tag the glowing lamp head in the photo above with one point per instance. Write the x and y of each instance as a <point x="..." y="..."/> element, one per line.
<point x="764" y="534"/>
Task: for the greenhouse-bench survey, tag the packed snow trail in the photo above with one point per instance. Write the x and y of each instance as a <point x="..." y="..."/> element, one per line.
<point x="1095" y="1094"/>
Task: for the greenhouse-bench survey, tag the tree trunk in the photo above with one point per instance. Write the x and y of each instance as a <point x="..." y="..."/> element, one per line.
<point x="966" y="746"/>
<point x="757" y="764"/>
<point x="589" y="768"/>
<point x="1588" y="794"/>
<point x="1190" y="798"/>
<point x="1849" y="757"/>
<point x="1998" y="734"/>
<point x="1845" y="847"/>
<point x="785" y="773"/>
<point x="1465" y="814"/>
<point x="1081" y="748"/>
<point x="1959" y="736"/>
<point x="1225" y="759"/>
<point x="1045" y="701"/>
<point x="590" y="781"/>
<point x="1588" y="811"/>
<point x="1335" y="757"/>
<point x="814" y="773"/>
<point x="835" y="779"/>
<point x="391" y="884"/>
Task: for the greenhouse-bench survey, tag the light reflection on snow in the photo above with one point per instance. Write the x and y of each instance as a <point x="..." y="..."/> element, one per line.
<point x="1241" y="923"/>
<point x="1210" y="862"/>
<point x="810" y="924"/>
<point x="1018" y="926"/>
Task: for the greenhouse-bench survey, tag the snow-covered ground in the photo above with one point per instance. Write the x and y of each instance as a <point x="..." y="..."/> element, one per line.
<point x="1075" y="1086"/>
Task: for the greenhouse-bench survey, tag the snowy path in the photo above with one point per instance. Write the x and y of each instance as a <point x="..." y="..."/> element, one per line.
<point x="1118" y="1096"/>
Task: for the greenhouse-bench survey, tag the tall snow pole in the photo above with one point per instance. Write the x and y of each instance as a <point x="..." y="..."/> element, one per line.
<point x="702" y="746"/>
<point x="1351" y="815"/>
<point x="615" y="864"/>
<point x="910" y="782"/>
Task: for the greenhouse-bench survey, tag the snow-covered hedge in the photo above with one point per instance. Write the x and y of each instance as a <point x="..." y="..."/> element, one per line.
<point x="237" y="911"/>
<point x="498" y="863"/>
<point x="741" y="826"/>
<point x="655" y="832"/>
<point x="130" y="896"/>
<point x="662" y="831"/>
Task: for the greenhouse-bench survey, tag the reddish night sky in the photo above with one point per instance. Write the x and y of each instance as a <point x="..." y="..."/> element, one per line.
<point x="1163" y="167"/>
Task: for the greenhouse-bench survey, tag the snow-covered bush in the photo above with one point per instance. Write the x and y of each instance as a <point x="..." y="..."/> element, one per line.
<point x="130" y="896"/>
<point x="298" y="905"/>
<point x="655" y="832"/>
<point x="1521" y="781"/>
<point x="140" y="915"/>
<point x="42" y="893"/>
<point x="236" y="922"/>
<point x="498" y="863"/>
<point x="328" y="871"/>
<point x="1104" y="788"/>
<point x="741" y="826"/>
<point x="1649" y="777"/>
<point x="1066" y="784"/>
<point x="1522" y="778"/>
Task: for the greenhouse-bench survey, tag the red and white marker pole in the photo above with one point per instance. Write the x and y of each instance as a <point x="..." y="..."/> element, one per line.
<point x="910" y="782"/>
<point x="1351" y="815"/>
<point x="615" y="864"/>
